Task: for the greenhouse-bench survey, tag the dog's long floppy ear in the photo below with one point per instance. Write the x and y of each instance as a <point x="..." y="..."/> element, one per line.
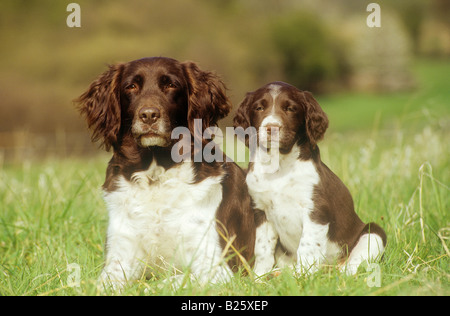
<point x="100" y="106"/>
<point x="207" y="97"/>
<point x="242" y="116"/>
<point x="316" y="121"/>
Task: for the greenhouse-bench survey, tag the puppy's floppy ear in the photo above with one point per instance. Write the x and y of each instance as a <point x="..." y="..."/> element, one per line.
<point x="207" y="97"/>
<point x="242" y="116"/>
<point x="316" y="121"/>
<point x="100" y="106"/>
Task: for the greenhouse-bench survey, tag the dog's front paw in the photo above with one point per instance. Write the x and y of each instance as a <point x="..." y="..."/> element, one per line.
<point x="111" y="281"/>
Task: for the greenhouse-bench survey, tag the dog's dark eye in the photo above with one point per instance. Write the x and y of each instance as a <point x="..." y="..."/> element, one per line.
<point x="131" y="87"/>
<point x="170" y="86"/>
<point x="260" y="106"/>
<point x="166" y="82"/>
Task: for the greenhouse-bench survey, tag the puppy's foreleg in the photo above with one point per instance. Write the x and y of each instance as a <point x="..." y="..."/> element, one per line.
<point x="265" y="244"/>
<point x="313" y="246"/>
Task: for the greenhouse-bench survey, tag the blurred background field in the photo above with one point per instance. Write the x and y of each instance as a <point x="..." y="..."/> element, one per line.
<point x="386" y="91"/>
<point x="361" y="76"/>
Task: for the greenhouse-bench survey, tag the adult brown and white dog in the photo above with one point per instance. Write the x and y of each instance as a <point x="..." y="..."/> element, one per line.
<point x="166" y="213"/>
<point x="308" y="216"/>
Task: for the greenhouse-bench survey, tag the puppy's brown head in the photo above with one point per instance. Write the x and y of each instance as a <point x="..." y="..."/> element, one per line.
<point x="282" y="113"/>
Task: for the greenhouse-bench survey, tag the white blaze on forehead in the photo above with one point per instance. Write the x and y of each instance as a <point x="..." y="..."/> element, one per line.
<point x="272" y="118"/>
<point x="274" y="91"/>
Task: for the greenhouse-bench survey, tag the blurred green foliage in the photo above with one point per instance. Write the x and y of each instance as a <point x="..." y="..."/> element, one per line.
<point x="311" y="44"/>
<point x="309" y="54"/>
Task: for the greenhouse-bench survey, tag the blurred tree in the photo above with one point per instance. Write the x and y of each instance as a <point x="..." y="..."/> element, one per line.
<point x="412" y="14"/>
<point x="308" y="53"/>
<point x="435" y="30"/>
<point x="441" y="9"/>
<point x="379" y="57"/>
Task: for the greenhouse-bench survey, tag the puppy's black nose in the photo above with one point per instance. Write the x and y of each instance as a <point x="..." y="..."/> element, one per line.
<point x="149" y="115"/>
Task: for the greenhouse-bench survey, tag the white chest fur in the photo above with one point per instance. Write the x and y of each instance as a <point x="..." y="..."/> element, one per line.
<point x="160" y="218"/>
<point x="285" y="195"/>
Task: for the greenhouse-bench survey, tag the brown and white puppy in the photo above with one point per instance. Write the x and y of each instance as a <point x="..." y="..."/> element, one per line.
<point x="162" y="212"/>
<point x="308" y="215"/>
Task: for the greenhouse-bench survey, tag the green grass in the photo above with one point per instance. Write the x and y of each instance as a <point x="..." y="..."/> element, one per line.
<point x="396" y="164"/>
<point x="360" y="111"/>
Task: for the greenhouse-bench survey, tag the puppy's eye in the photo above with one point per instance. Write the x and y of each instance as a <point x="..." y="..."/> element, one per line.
<point x="259" y="108"/>
<point x="291" y="109"/>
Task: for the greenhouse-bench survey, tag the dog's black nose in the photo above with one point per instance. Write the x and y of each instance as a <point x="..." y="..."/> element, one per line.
<point x="149" y="115"/>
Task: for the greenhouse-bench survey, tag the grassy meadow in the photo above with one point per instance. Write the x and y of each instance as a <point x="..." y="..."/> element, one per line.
<point x="391" y="150"/>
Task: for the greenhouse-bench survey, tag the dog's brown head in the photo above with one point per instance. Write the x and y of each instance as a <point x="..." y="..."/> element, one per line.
<point x="147" y="98"/>
<point x="282" y="113"/>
